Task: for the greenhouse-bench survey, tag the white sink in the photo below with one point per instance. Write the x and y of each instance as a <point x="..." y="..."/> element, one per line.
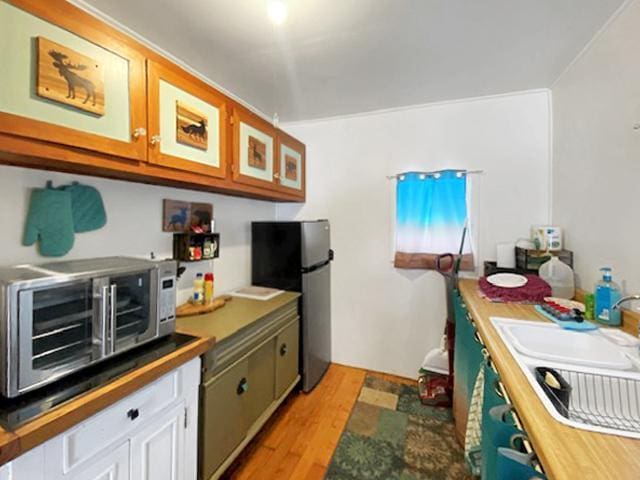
<point x="605" y="385"/>
<point x="590" y="349"/>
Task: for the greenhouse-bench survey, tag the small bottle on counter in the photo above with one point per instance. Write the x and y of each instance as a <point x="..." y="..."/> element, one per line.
<point x="589" y="306"/>
<point x="208" y="288"/>
<point x="198" y="289"/>
<point x="607" y="294"/>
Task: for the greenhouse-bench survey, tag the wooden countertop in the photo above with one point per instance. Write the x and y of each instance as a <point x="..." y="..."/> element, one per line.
<point x="233" y="317"/>
<point x="48" y="425"/>
<point x="565" y="452"/>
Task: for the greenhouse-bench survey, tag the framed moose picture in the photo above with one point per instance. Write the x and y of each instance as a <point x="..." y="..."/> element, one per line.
<point x="68" y="77"/>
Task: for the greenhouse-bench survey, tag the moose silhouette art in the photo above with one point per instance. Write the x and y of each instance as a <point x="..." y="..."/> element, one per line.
<point x="179" y="218"/>
<point x="66" y="71"/>
<point x="196" y="131"/>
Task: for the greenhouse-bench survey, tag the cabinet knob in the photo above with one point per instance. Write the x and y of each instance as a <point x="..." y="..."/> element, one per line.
<point x="636" y="126"/>
<point x="276" y="175"/>
<point x="283" y="350"/>
<point x="243" y="386"/>
<point x="133" y="413"/>
<point x="139" y="132"/>
<point x="155" y="139"/>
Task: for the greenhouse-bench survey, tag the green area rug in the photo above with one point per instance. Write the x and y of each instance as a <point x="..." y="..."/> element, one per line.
<point x="392" y="436"/>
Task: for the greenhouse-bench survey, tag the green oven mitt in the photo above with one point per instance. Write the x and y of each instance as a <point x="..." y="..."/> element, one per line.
<point x="50" y="220"/>
<point x="87" y="207"/>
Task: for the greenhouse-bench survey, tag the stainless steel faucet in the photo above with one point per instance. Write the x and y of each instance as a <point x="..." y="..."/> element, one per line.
<point x="616" y="305"/>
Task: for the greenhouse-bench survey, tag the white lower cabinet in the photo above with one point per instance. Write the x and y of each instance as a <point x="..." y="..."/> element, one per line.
<point x="157" y="452"/>
<point x="150" y="435"/>
<point x="112" y="466"/>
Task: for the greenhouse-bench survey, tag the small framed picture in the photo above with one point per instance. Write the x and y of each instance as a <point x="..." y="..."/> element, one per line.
<point x="176" y="216"/>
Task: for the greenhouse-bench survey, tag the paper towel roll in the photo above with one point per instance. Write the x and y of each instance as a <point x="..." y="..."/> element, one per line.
<point x="506" y="255"/>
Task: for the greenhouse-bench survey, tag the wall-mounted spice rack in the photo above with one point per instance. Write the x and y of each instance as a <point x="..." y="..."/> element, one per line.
<point x="196" y="247"/>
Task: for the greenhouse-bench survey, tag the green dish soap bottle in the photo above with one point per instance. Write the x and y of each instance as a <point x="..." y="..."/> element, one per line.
<point x="607" y="293"/>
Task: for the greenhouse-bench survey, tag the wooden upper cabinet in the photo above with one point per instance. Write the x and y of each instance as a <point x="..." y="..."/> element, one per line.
<point x="187" y="122"/>
<point x="254" y="150"/>
<point x="69" y="79"/>
<point x="291" y="166"/>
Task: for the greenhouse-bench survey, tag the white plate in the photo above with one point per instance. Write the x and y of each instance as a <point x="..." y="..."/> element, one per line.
<point x="507" y="280"/>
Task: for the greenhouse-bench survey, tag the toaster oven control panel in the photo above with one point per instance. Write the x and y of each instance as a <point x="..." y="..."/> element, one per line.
<point x="167" y="298"/>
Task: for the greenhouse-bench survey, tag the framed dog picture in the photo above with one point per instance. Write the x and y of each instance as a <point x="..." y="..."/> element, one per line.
<point x="69" y="77"/>
<point x="191" y="126"/>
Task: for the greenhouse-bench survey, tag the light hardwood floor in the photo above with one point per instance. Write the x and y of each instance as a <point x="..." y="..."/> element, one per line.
<point x="298" y="441"/>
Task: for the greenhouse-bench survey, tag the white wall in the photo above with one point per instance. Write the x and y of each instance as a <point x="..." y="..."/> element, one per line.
<point x="385" y="318"/>
<point x="596" y="162"/>
<point x="134" y="224"/>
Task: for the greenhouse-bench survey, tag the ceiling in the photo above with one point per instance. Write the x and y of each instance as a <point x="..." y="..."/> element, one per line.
<point x="336" y="57"/>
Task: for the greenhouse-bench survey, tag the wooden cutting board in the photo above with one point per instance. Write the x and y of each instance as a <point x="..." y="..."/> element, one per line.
<point x="188" y="309"/>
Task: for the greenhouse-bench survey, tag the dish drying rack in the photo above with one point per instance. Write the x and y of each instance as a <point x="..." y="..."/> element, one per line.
<point x="600" y="400"/>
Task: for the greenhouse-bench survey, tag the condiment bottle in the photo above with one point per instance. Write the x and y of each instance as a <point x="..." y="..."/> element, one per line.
<point x="198" y="289"/>
<point x="208" y="288"/>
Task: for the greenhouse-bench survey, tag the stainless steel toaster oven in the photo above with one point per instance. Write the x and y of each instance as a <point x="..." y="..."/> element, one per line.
<point x="57" y="318"/>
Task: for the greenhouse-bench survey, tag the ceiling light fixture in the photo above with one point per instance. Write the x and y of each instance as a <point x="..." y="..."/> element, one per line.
<point x="277" y="11"/>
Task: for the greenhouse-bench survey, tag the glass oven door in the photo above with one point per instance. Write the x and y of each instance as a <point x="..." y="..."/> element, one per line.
<point x="61" y="329"/>
<point x="133" y="315"/>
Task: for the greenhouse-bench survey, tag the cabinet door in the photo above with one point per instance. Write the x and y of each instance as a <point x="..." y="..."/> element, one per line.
<point x="287" y="347"/>
<point x="157" y="452"/>
<point x="109" y="466"/>
<point x="187" y="122"/>
<point x="254" y="154"/>
<point x="291" y="165"/>
<point x="260" y="393"/>
<point x="224" y="421"/>
<point x="71" y="80"/>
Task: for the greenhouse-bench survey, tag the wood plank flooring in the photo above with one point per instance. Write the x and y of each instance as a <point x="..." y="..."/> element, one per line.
<point x="298" y="441"/>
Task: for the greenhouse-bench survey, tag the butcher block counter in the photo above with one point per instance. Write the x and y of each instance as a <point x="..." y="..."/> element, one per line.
<point x="566" y="453"/>
<point x="129" y="373"/>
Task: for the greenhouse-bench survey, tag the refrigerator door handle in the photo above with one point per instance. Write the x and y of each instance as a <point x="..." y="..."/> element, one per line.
<point x="315" y="267"/>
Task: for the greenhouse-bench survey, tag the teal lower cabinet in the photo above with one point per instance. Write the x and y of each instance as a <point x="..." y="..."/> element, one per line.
<point x="466" y="363"/>
<point x="503" y="455"/>
<point x="246" y="377"/>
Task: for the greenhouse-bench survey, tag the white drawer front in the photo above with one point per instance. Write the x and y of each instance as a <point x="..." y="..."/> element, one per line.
<point x="82" y="442"/>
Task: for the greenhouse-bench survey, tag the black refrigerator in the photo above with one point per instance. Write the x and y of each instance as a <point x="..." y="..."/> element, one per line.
<point x="296" y="256"/>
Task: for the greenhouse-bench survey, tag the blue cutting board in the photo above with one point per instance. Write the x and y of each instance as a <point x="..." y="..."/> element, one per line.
<point x="581" y="326"/>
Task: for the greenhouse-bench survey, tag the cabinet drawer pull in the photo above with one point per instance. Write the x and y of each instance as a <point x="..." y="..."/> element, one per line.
<point x="243" y="386"/>
<point x="283" y="350"/>
<point x="496" y="388"/>
<point x="133" y="413"/>
<point x="139" y="132"/>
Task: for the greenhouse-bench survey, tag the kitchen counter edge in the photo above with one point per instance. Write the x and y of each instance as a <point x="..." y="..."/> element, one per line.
<point x="565" y="452"/>
<point x="43" y="428"/>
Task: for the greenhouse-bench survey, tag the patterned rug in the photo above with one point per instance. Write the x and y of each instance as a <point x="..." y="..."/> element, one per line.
<point x="392" y="436"/>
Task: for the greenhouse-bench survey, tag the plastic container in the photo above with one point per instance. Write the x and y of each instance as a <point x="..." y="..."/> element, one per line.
<point x="559" y="276"/>
<point x="607" y="293"/>
<point x="198" y="289"/>
<point x="208" y="288"/>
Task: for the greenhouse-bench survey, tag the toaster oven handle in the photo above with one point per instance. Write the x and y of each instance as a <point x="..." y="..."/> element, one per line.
<point x="112" y="316"/>
<point x="103" y="319"/>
